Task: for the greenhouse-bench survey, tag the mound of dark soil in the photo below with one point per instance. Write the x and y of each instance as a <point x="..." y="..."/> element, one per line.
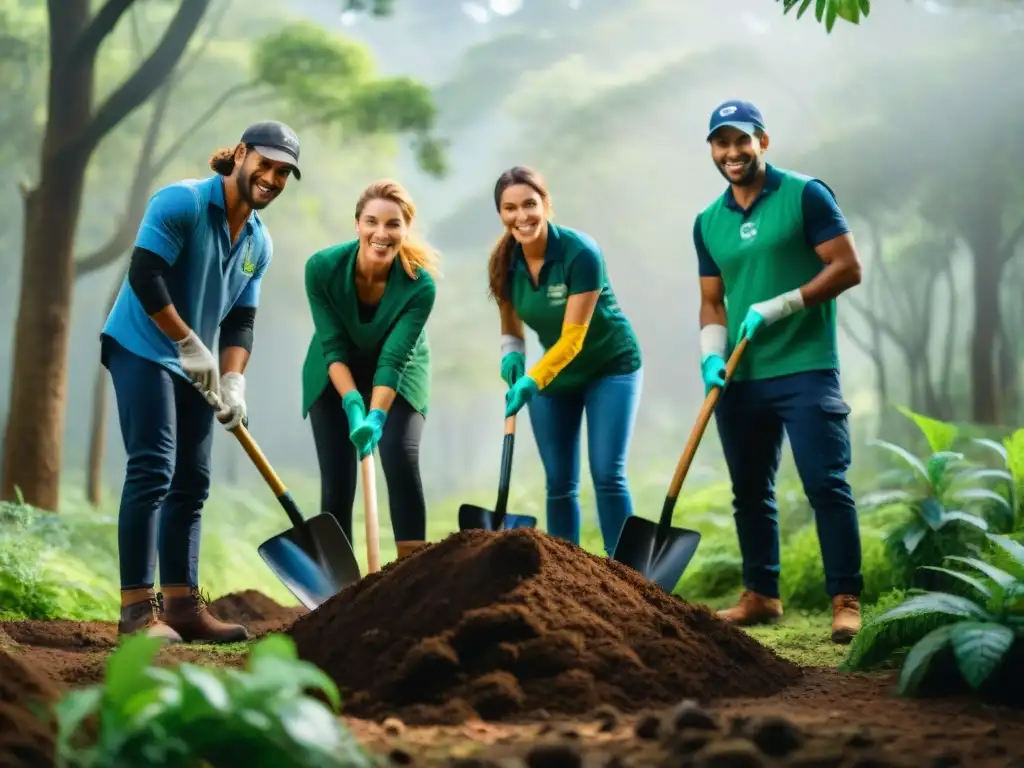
<point x="26" y="732"/>
<point x="520" y="625"/>
<point x="252" y="606"/>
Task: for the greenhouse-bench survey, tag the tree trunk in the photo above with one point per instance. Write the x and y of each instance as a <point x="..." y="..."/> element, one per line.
<point x="98" y="428"/>
<point x="988" y="269"/>
<point x="33" y="440"/>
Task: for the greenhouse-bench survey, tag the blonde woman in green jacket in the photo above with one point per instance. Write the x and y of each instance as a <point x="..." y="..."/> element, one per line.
<point x="366" y="379"/>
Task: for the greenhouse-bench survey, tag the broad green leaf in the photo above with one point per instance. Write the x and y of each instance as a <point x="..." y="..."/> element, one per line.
<point x="309" y="724"/>
<point x="939" y="465"/>
<point x="984" y="473"/>
<point x="913" y="537"/>
<point x="979" y="647"/>
<point x="992" y="445"/>
<point x="275" y="646"/>
<point x="966" y="578"/>
<point x="931" y="512"/>
<point x="819" y="9"/>
<point x="983" y="494"/>
<point x="830" y="15"/>
<point x="939" y="434"/>
<point x="126" y="668"/>
<point x="912" y="461"/>
<point x="918" y="663"/>
<point x="998" y="575"/>
<point x="956" y="516"/>
<point x="72" y="709"/>
<point x="276" y="674"/>
<point x="865" y="6"/>
<point x="938" y="602"/>
<point x="1013" y="548"/>
<point x="803" y="8"/>
<point x="203" y="693"/>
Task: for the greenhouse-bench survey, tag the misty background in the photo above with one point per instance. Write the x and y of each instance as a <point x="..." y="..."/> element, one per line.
<point x="912" y="118"/>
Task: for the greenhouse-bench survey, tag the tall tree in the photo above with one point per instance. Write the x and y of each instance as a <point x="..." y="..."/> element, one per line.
<point x="75" y="126"/>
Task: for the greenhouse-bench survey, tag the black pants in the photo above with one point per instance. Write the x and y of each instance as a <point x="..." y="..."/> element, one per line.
<point x="399" y="449"/>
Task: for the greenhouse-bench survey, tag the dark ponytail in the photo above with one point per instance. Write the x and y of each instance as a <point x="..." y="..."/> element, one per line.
<point x="223" y="161"/>
<point x="498" y="267"/>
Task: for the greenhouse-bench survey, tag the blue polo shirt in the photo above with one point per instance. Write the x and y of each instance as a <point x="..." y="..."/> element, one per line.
<point x="186" y="224"/>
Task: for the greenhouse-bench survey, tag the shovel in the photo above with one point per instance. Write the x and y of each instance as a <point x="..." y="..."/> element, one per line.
<point x="472" y="516"/>
<point x="657" y="550"/>
<point x="313" y="558"/>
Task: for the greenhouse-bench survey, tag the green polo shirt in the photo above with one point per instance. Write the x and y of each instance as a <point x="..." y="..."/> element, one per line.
<point x="766" y="250"/>
<point x="573" y="264"/>
<point x="394" y="332"/>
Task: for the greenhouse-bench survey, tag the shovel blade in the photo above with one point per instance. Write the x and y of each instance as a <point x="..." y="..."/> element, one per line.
<point x="315" y="561"/>
<point x="638" y="547"/>
<point x="472" y="516"/>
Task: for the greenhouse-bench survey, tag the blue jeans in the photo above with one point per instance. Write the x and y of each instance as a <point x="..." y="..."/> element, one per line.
<point x="557" y="420"/>
<point x="167" y="428"/>
<point x="751" y="418"/>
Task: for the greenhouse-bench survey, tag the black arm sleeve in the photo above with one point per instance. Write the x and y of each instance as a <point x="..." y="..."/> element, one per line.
<point x="236" y="330"/>
<point x="146" y="278"/>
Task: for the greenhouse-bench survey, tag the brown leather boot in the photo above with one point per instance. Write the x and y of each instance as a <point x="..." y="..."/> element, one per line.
<point x="186" y="612"/>
<point x="406" y="548"/>
<point x="845" y="618"/>
<point x="752" y="609"/>
<point x="140" y="612"/>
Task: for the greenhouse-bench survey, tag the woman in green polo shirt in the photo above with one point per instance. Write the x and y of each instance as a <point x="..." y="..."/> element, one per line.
<point x="552" y="279"/>
<point x="366" y="378"/>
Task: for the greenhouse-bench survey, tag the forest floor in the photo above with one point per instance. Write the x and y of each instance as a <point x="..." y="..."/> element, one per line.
<point x="827" y="718"/>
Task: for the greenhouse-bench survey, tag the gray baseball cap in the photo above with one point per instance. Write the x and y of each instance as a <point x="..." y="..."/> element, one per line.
<point x="275" y="141"/>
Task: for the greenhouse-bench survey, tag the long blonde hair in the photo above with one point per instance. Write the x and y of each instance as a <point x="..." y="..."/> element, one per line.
<point x="501" y="255"/>
<point x="414" y="253"/>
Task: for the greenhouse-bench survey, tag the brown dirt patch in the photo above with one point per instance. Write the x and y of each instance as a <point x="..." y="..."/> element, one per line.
<point x="26" y="733"/>
<point x="252" y="607"/>
<point x="520" y="625"/>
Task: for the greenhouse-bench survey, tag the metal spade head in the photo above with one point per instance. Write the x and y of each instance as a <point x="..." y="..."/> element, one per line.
<point x="314" y="560"/>
<point x="661" y="556"/>
<point x="472" y="516"/>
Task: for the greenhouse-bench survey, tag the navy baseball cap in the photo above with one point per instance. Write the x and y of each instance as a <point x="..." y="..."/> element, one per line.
<point x="741" y="115"/>
<point x="275" y="141"/>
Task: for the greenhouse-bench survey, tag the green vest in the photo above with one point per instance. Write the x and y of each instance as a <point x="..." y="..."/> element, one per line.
<point x="610" y="347"/>
<point x="761" y="253"/>
<point x="395" y="336"/>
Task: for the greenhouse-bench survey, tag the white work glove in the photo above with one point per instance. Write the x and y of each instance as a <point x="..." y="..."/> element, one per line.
<point x="198" y="363"/>
<point x="232" y="395"/>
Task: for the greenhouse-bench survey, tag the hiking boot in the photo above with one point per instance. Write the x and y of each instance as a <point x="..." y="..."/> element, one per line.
<point x="140" y="612"/>
<point x="845" y="618"/>
<point x="752" y="609"/>
<point x="185" y="610"/>
<point x="406" y="548"/>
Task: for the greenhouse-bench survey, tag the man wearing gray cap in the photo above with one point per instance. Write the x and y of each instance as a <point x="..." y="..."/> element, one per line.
<point x="775" y="248"/>
<point x="200" y="255"/>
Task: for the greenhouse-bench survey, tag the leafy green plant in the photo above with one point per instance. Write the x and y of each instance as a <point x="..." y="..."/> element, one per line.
<point x="945" y="503"/>
<point x="952" y="639"/>
<point x="197" y="717"/>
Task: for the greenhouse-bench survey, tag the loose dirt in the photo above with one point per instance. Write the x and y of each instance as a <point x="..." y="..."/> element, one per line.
<point x="823" y="718"/>
<point x="252" y="607"/>
<point x="519" y="625"/>
<point x="26" y="733"/>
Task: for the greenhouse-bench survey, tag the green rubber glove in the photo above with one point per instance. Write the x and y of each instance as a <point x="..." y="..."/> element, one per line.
<point x="355" y="410"/>
<point x="366" y="436"/>
<point x="513" y="367"/>
<point x="519" y="394"/>
<point x="712" y="370"/>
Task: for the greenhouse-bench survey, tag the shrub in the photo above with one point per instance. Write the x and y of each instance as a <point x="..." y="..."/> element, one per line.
<point x="195" y="717"/>
<point x="945" y="504"/>
<point x="955" y="641"/>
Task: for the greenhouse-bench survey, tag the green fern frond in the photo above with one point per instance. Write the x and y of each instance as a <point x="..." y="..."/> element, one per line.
<point x="880" y="640"/>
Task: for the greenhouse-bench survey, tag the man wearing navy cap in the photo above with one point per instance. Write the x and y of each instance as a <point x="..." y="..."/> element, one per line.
<point x="200" y="256"/>
<point x="777" y="250"/>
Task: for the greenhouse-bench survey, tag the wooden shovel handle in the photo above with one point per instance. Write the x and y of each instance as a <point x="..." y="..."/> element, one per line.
<point x="370" y="513"/>
<point x="703" y="417"/>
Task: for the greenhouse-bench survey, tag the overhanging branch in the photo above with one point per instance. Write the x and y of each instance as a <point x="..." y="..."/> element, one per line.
<point x="140" y="85"/>
<point x="169" y="154"/>
<point x="102" y="24"/>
